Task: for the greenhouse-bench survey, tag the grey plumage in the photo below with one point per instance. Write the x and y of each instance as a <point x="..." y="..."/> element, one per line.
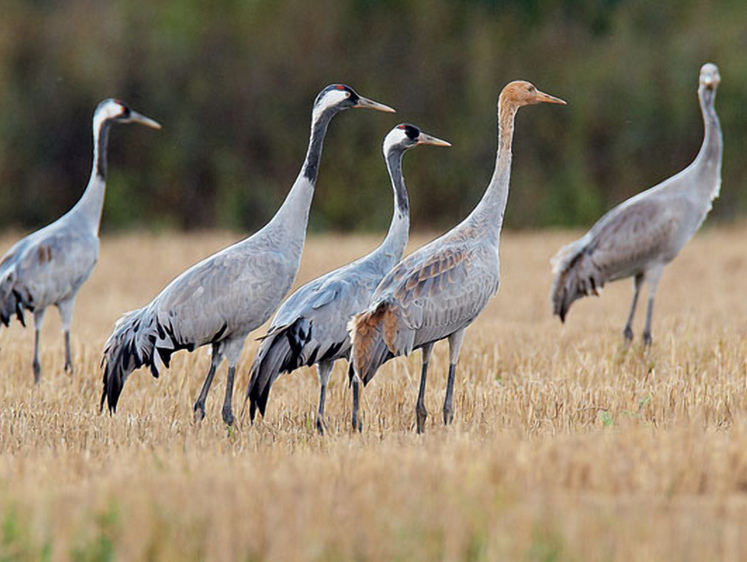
<point x="50" y="266"/>
<point x="220" y="300"/>
<point x="311" y="326"/>
<point x="439" y="290"/>
<point x="643" y="234"/>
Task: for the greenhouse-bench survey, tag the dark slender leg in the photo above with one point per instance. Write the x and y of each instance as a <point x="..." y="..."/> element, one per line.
<point x="227" y="411"/>
<point x="36" y="365"/>
<point x="421" y="413"/>
<point x="649" y="314"/>
<point x="324" y="370"/>
<point x="65" y="309"/>
<point x="320" y="415"/>
<point x="628" y="332"/>
<point x="357" y="425"/>
<point x="448" y="401"/>
<point x="68" y="355"/>
<point x="199" y="407"/>
<point x="652" y="278"/>
<point x="38" y="322"/>
<point x="455" y="346"/>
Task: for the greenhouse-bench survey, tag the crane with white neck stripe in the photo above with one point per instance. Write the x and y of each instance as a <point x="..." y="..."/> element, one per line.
<point x="50" y="266"/>
<point x="311" y="326"/>
<point x="223" y="298"/>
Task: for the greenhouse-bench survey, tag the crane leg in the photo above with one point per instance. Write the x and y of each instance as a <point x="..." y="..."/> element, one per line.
<point x="38" y="321"/>
<point x="324" y="370"/>
<point x="652" y="279"/>
<point x="647" y="339"/>
<point x="356" y="384"/>
<point x="231" y="349"/>
<point x="628" y="332"/>
<point x="455" y="346"/>
<point x="66" y="315"/>
<point x="227" y="411"/>
<point x="421" y="413"/>
<point x="199" y="407"/>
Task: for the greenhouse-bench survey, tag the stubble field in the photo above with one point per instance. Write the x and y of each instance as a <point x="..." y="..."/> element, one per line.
<point x="565" y="445"/>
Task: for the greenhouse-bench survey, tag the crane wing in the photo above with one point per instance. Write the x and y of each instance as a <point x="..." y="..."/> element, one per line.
<point x="643" y="231"/>
<point x="431" y="295"/>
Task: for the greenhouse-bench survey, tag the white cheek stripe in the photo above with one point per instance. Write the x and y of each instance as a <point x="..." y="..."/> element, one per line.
<point x="110" y="110"/>
<point x="331" y="98"/>
<point x="395" y="137"/>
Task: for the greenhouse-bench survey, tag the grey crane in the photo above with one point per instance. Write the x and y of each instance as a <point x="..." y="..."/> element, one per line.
<point x="311" y="326"/>
<point x="50" y="266"/>
<point x="440" y="289"/>
<point x="220" y="300"/>
<point x="641" y="236"/>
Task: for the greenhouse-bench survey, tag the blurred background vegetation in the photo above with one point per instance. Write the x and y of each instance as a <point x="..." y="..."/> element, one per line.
<point x="232" y="81"/>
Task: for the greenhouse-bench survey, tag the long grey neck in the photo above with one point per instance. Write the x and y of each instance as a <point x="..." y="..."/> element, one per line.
<point x="89" y="208"/>
<point x="488" y="215"/>
<point x="293" y="215"/>
<point x="710" y="154"/>
<point x="399" y="229"/>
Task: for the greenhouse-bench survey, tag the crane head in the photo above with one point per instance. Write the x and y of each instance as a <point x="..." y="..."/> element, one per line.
<point x="709" y="76"/>
<point x="405" y="136"/>
<point x="520" y="93"/>
<point x="118" y="111"/>
<point x="337" y="97"/>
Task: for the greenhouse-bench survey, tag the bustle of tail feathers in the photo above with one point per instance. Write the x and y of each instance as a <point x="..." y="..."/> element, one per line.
<point x="130" y="346"/>
<point x="281" y="351"/>
<point x="12" y="301"/>
<point x="575" y="275"/>
<point x="368" y="334"/>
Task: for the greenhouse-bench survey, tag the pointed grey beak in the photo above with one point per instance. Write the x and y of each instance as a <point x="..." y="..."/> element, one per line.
<point x="427" y="139"/>
<point x="547" y="98"/>
<point x="136" y="117"/>
<point x="370" y="104"/>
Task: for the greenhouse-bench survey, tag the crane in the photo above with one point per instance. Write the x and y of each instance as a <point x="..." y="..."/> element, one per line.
<point x="639" y="237"/>
<point x="440" y="289"/>
<point x="311" y="326"/>
<point x="49" y="266"/>
<point x="220" y="300"/>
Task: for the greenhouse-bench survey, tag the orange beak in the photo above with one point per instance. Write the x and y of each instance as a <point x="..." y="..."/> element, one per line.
<point x="547" y="98"/>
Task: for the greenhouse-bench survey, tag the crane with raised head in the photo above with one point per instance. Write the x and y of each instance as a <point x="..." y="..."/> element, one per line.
<point x="310" y="328"/>
<point x="50" y="266"/>
<point x="220" y="300"/>
<point x="440" y="289"/>
<point x="639" y="237"/>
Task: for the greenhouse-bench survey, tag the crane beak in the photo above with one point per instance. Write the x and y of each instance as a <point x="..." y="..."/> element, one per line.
<point x="427" y="139"/>
<point x="542" y="97"/>
<point x="370" y="104"/>
<point x="136" y="117"/>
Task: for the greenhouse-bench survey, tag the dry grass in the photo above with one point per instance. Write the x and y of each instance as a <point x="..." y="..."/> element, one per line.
<point x="565" y="446"/>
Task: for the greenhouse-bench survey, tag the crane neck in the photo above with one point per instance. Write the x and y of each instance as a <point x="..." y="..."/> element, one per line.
<point x="488" y="215"/>
<point x="293" y="215"/>
<point x="710" y="154"/>
<point x="90" y="206"/>
<point x="399" y="228"/>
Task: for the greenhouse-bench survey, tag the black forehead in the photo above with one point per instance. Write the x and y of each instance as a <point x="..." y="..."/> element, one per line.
<point x="411" y="131"/>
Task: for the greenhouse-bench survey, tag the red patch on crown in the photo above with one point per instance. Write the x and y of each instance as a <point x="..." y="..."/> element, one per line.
<point x="401" y="127"/>
<point x="340" y="87"/>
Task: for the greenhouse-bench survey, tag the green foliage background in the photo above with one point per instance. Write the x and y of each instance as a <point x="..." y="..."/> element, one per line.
<point x="232" y="81"/>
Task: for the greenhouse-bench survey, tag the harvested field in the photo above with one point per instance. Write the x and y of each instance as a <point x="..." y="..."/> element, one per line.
<point x="565" y="445"/>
